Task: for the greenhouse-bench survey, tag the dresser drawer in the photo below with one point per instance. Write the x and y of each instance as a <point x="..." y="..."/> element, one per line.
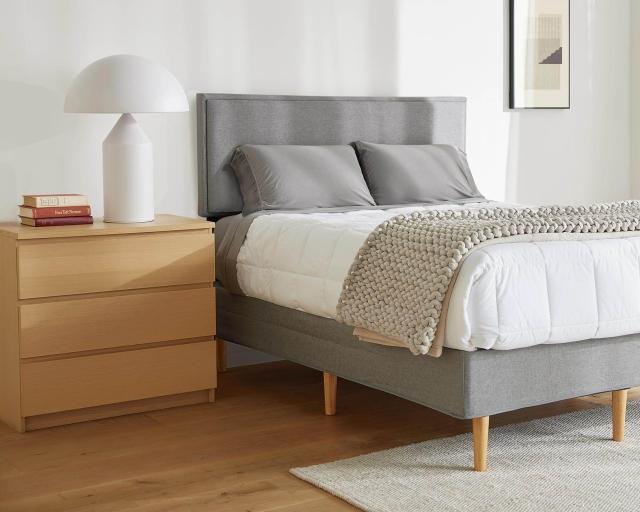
<point x="54" y="267"/>
<point x="79" y="382"/>
<point x="113" y="321"/>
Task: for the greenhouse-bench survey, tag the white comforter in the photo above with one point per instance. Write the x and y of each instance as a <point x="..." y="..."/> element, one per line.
<point x="507" y="296"/>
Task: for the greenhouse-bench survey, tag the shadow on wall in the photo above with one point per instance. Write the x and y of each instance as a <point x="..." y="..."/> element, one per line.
<point x="580" y="155"/>
<point x="328" y="47"/>
<point x="314" y="47"/>
<point x="324" y="51"/>
<point x="383" y="40"/>
<point x="30" y="114"/>
<point x="511" y="171"/>
<point x="322" y="47"/>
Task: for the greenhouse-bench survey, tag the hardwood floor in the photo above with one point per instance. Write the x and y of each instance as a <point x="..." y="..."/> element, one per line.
<point x="229" y="456"/>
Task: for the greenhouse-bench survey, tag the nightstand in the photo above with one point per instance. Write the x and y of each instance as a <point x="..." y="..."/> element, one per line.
<point x="104" y="320"/>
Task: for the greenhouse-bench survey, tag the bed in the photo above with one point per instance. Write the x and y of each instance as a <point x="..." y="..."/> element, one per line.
<point x="484" y="369"/>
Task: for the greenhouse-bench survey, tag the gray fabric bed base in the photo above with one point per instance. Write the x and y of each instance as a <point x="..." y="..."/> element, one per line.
<point x="461" y="384"/>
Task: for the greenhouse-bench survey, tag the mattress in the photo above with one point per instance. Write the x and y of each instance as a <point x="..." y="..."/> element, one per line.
<point x="507" y="295"/>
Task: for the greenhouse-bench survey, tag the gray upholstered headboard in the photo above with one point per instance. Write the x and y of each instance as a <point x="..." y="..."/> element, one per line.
<point x="226" y="121"/>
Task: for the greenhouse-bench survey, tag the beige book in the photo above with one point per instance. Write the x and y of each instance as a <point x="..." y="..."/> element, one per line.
<point x="46" y="200"/>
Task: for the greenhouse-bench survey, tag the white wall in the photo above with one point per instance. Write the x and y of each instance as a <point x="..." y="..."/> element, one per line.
<point x="412" y="47"/>
<point x="541" y="156"/>
<point x="240" y="46"/>
<point x="348" y="47"/>
<point x="635" y="99"/>
<point x="582" y="155"/>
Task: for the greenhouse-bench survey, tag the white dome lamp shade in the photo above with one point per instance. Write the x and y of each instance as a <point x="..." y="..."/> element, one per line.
<point x="126" y="84"/>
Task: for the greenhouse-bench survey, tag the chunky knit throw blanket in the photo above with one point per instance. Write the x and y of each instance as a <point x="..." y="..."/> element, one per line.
<point x="398" y="282"/>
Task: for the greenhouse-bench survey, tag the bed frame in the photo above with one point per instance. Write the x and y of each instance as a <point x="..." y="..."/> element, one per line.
<point x="468" y="385"/>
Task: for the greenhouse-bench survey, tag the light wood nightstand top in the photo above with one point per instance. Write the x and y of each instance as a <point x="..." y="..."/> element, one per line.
<point x="161" y="223"/>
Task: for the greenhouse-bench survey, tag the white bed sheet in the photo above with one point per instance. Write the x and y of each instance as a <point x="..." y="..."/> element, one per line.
<point x="507" y="296"/>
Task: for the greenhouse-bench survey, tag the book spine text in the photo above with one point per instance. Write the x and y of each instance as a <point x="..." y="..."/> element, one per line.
<point x="51" y="212"/>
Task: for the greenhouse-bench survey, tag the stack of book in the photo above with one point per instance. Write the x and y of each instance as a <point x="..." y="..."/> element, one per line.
<point x="55" y="210"/>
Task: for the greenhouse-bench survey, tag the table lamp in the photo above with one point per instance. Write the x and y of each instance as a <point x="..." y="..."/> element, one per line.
<point x="126" y="84"/>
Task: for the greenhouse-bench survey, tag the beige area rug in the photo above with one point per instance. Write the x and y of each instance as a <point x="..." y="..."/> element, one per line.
<point x="563" y="463"/>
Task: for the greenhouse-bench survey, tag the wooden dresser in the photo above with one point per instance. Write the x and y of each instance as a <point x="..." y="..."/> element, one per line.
<point x="105" y="319"/>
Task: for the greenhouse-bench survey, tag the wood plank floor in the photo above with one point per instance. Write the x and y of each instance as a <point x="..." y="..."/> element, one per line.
<point x="229" y="456"/>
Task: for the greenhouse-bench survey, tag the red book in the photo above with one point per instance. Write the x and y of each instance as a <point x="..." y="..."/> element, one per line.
<point x="54" y="211"/>
<point x="57" y="221"/>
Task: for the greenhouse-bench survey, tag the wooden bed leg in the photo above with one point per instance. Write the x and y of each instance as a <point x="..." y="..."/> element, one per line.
<point x="221" y="355"/>
<point x="330" y="389"/>
<point x="480" y="442"/>
<point x="619" y="411"/>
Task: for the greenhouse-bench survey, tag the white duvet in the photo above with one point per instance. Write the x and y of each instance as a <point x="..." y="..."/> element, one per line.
<point x="507" y="296"/>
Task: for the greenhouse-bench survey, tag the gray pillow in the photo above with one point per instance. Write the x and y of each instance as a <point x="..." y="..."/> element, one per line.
<point x="402" y="174"/>
<point x="282" y="177"/>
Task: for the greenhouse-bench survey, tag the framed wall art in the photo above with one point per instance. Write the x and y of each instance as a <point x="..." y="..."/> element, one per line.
<point x="539" y="54"/>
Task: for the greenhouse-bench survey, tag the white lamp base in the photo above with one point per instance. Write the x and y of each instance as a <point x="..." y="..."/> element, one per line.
<point x="127" y="173"/>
